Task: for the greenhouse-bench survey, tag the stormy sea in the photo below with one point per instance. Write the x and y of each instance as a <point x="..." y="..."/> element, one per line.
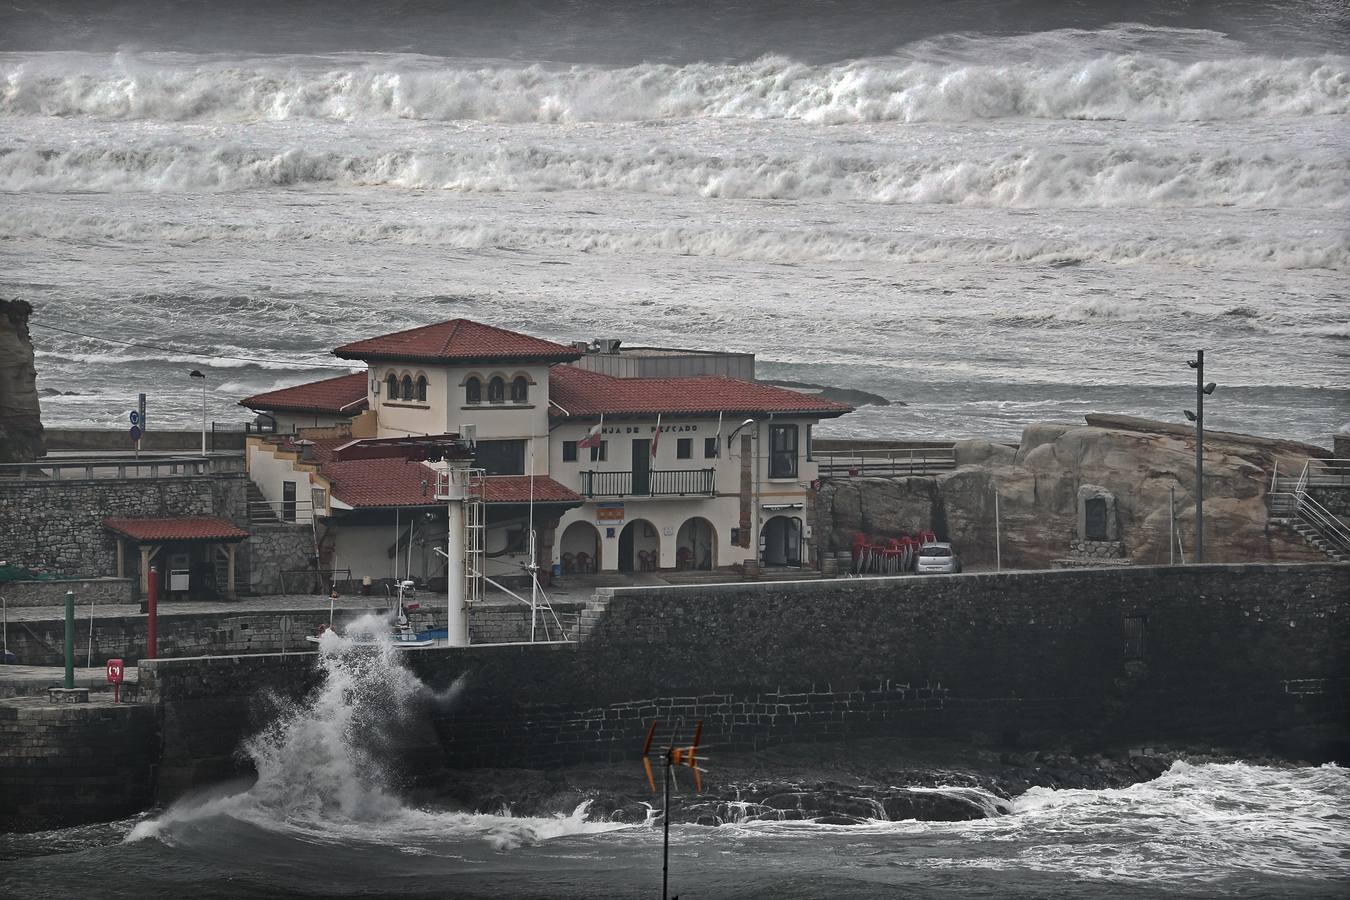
<point x="992" y="213"/>
<point x="336" y="810"/>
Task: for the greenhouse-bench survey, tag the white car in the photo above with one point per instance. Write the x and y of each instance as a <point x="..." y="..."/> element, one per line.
<point x="937" y="559"/>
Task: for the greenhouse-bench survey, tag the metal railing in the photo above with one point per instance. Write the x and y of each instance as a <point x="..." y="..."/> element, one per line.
<point x="654" y="483"/>
<point x="287" y="511"/>
<point x="79" y="468"/>
<point x="1299" y="504"/>
<point x="887" y="463"/>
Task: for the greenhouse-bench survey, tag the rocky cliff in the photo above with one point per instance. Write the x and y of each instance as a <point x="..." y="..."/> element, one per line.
<point x="20" y="417"/>
<point x="1039" y="485"/>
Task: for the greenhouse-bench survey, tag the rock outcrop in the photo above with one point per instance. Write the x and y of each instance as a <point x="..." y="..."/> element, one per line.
<point x="20" y="416"/>
<point x="1038" y="487"/>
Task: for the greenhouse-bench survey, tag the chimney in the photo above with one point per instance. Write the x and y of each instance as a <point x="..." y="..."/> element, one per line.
<point x="306" y="449"/>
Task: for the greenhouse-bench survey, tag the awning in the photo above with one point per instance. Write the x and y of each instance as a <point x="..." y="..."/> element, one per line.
<point x="185" y="528"/>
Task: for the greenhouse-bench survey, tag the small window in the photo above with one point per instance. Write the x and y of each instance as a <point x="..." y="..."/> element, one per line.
<point x="684" y="448"/>
<point x="407" y="389"/>
<point x="422" y="388"/>
<point x="783" y="451"/>
<point x="569" y="451"/>
<point x="391" y="387"/>
<point x="520" y="390"/>
<point x="710" y="448"/>
<point x="809" y="457"/>
<point x="497" y="390"/>
<point x="601" y="453"/>
<point x="473" y="390"/>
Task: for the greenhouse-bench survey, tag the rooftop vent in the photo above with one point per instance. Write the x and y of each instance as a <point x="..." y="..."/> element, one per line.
<point x="607" y="345"/>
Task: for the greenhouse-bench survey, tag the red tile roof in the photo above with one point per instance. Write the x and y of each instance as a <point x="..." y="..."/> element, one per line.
<point x="188" y="528"/>
<point x="516" y="489"/>
<point x="459" y="341"/>
<point x="343" y="395"/>
<point x="363" y="483"/>
<point x="583" y="393"/>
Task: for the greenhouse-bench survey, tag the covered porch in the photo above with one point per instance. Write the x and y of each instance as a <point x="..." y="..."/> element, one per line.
<point x="185" y="548"/>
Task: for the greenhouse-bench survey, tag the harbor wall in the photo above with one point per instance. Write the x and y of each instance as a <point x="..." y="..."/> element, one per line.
<point x="98" y="591"/>
<point x="64" y="764"/>
<point x="42" y="642"/>
<point x="1246" y="656"/>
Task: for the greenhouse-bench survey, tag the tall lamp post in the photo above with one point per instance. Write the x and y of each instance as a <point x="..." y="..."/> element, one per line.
<point x="1202" y="390"/>
<point x="196" y="373"/>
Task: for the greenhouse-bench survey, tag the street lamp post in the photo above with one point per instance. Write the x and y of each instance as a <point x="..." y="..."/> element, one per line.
<point x="196" y="373"/>
<point x="1202" y="390"/>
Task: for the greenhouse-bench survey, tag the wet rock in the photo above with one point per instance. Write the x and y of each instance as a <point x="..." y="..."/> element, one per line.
<point x="20" y="414"/>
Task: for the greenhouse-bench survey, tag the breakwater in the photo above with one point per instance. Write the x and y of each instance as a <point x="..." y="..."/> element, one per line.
<point x="1249" y="656"/>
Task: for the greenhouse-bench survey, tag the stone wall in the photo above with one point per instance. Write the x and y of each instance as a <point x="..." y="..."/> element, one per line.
<point x="57" y="527"/>
<point x="99" y="591"/>
<point x="64" y="764"/>
<point x="1336" y="500"/>
<point x="1253" y="656"/>
<point x="274" y="550"/>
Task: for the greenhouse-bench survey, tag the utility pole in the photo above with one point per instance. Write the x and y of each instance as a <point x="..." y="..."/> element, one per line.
<point x="1198" y="417"/>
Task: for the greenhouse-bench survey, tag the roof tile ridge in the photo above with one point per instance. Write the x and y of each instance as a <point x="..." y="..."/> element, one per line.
<point x="455" y="325"/>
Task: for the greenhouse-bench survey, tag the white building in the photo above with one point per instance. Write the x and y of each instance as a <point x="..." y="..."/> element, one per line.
<point x="731" y="460"/>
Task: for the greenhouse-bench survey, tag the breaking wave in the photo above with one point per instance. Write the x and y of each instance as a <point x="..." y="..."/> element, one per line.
<point x="321" y="767"/>
<point x="779" y="245"/>
<point x="1109" y="177"/>
<point x="1132" y="86"/>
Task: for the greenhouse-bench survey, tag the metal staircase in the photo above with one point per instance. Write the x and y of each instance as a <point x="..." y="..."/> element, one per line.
<point x="1291" y="503"/>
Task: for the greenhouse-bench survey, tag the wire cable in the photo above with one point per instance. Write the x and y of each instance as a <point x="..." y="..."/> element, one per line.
<point x="180" y="351"/>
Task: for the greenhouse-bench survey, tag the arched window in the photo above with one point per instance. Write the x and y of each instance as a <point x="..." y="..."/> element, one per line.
<point x="422" y="388"/>
<point x="520" y="389"/>
<point x="497" y="389"/>
<point x="407" y="390"/>
<point x="473" y="390"/>
<point x="391" y="387"/>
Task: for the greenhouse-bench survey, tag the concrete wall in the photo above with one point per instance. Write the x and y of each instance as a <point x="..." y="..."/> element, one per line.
<point x="96" y="439"/>
<point x="57" y="526"/>
<point x="98" y="591"/>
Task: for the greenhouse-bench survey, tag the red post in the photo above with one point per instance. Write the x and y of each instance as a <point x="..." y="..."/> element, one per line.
<point x="152" y="606"/>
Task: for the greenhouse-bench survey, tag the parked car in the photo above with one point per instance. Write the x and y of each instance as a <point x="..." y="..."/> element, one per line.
<point x="937" y="559"/>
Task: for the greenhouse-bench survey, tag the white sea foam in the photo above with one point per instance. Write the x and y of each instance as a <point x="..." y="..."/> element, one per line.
<point x="1112" y="85"/>
<point x="781" y="245"/>
<point x="1111" y="177"/>
<point x="1193" y="824"/>
<point x="322" y="770"/>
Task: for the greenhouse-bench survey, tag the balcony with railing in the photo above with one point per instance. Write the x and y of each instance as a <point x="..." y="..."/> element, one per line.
<point x="650" y="483"/>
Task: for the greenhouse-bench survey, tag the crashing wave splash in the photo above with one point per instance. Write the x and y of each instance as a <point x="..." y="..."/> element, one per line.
<point x="321" y="771"/>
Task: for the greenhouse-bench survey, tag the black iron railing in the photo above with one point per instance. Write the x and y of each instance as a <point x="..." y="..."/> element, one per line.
<point x="652" y="483"/>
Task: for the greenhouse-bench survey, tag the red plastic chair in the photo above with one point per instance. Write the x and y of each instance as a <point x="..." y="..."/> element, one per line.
<point x="584" y="563"/>
<point x="684" y="558"/>
<point x="569" y="563"/>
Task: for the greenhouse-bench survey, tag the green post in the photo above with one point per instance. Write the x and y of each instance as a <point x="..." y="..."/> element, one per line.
<point x="70" y="640"/>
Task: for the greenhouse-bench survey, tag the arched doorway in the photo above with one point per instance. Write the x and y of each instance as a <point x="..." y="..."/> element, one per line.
<point x="696" y="545"/>
<point x="782" y="541"/>
<point x="579" y="548"/>
<point x="639" y="547"/>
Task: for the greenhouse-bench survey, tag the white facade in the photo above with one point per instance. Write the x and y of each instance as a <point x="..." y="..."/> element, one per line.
<point x="522" y="415"/>
<point x="664" y="523"/>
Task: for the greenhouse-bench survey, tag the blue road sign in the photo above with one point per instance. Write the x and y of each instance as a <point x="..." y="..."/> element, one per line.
<point x="135" y="432"/>
<point x="135" y="417"/>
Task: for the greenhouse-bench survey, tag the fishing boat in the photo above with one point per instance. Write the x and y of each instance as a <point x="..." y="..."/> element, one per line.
<point x="403" y="635"/>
